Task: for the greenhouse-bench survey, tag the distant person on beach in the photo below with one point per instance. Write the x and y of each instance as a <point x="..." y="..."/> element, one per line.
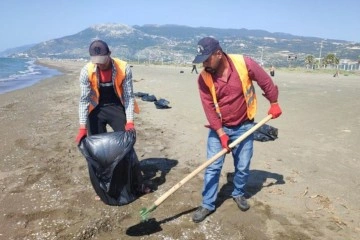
<point x="229" y="102"/>
<point x="272" y="71"/>
<point x="194" y="69"/>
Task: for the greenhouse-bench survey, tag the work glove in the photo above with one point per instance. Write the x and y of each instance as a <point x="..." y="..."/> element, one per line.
<point x="129" y="126"/>
<point x="224" y="139"/>
<point x="82" y="133"/>
<point x="275" y="110"/>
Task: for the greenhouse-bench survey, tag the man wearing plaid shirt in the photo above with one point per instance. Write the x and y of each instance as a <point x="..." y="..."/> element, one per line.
<point x="106" y="93"/>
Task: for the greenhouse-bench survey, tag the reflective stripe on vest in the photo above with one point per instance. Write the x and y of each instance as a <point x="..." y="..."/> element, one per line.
<point x="247" y="86"/>
<point x="117" y="83"/>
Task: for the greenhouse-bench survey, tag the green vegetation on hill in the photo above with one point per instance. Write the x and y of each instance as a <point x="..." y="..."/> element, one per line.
<point x="173" y="44"/>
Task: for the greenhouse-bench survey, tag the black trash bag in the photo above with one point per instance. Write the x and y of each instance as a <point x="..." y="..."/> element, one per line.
<point x="266" y="133"/>
<point x="148" y="98"/>
<point x="140" y="94"/>
<point x="114" y="168"/>
<point x="162" y="104"/>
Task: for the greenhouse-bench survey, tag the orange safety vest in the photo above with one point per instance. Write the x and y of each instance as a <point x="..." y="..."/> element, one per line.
<point x="247" y="86"/>
<point x="119" y="78"/>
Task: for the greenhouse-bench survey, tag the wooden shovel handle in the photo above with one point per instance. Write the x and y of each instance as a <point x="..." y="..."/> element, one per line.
<point x="210" y="161"/>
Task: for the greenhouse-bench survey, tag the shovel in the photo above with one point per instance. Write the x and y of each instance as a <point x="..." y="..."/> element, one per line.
<point x="144" y="212"/>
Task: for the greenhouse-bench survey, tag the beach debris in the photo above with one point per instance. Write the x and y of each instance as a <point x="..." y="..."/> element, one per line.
<point x="306" y="191"/>
<point x="159" y="103"/>
<point x="162" y="104"/>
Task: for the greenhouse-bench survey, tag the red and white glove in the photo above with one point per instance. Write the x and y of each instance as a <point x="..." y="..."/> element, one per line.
<point x="274" y="110"/>
<point x="129" y="126"/>
<point x="224" y="140"/>
<point x="81" y="134"/>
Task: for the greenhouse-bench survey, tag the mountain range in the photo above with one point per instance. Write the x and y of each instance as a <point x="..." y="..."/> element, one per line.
<point x="177" y="44"/>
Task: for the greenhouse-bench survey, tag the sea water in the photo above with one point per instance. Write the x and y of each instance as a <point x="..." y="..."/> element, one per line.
<point x="17" y="73"/>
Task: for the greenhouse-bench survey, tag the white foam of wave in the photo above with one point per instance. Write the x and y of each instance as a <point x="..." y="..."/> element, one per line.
<point x="31" y="70"/>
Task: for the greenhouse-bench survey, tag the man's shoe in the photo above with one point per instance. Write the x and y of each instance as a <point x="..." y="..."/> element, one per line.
<point x="242" y="203"/>
<point x="200" y="214"/>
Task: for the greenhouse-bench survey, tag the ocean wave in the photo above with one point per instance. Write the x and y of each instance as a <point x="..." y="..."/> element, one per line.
<point x="20" y="73"/>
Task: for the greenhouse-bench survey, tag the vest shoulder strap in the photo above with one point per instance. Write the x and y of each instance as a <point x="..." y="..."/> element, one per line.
<point x="120" y="64"/>
<point x="91" y="68"/>
<point x="247" y="85"/>
<point x="240" y="65"/>
<point x="210" y="84"/>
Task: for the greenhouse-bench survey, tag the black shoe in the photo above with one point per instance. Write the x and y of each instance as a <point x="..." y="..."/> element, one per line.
<point x="201" y="213"/>
<point x="242" y="203"/>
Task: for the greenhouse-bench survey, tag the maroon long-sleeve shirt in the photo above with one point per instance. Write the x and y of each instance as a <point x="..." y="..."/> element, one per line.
<point x="230" y="95"/>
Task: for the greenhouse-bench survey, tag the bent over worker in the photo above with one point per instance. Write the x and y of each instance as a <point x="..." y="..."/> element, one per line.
<point x="107" y="96"/>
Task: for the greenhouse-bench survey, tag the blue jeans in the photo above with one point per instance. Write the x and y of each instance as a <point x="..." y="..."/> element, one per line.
<point x="242" y="154"/>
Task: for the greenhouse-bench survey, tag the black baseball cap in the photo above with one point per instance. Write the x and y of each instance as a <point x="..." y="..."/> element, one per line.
<point x="99" y="51"/>
<point x="206" y="47"/>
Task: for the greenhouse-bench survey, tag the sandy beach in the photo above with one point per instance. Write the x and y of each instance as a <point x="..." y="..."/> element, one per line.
<point x="303" y="185"/>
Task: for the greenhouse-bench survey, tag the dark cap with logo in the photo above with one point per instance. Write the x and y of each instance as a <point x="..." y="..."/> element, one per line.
<point x="205" y="48"/>
<point x="99" y="51"/>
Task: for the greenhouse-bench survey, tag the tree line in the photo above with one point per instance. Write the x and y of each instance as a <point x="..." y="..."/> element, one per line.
<point x="328" y="61"/>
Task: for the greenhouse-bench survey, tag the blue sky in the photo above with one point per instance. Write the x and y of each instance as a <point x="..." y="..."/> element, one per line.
<point x="26" y="22"/>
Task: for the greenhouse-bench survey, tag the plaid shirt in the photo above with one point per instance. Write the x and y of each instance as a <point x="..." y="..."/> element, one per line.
<point x="127" y="98"/>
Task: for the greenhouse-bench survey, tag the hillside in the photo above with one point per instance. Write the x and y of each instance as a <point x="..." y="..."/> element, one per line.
<point x="177" y="44"/>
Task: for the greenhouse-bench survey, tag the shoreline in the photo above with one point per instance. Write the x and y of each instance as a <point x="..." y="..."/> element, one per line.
<point x="54" y="70"/>
<point x="28" y="80"/>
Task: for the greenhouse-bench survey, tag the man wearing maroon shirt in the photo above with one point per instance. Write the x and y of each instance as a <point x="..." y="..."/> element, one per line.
<point x="229" y="102"/>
